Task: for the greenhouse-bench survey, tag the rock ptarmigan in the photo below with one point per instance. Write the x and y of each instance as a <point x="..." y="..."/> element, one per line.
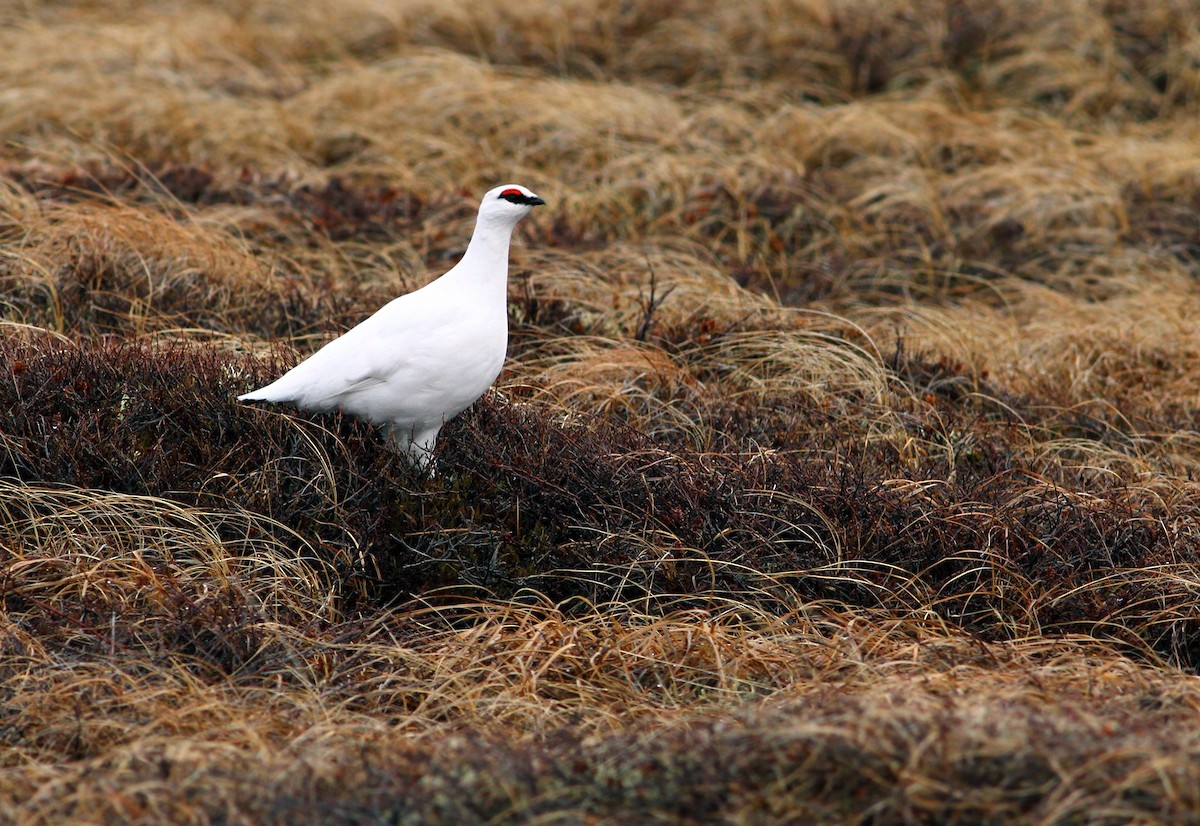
<point x="426" y="356"/>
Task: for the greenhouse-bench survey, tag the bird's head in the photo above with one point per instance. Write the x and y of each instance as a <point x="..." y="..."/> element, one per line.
<point x="510" y="202"/>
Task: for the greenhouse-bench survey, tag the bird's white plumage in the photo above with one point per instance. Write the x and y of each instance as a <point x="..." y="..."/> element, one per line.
<point x="424" y="357"/>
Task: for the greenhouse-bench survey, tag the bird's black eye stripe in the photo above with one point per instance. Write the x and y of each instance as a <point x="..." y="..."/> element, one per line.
<point x="517" y="198"/>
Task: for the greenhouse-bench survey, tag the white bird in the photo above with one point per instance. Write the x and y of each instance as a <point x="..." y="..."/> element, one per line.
<point x="426" y="356"/>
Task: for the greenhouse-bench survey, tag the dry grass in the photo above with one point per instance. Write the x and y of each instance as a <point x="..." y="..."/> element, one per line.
<point x="843" y="471"/>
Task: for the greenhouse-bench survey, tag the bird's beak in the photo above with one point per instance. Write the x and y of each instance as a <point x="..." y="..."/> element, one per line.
<point x="536" y="201"/>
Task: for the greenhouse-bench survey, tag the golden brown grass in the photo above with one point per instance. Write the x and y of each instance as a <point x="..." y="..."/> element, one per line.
<point x="844" y="468"/>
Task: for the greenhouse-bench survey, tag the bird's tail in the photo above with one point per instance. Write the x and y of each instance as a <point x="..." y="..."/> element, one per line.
<point x="262" y="394"/>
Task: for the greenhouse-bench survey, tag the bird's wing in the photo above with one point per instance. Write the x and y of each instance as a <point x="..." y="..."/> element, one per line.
<point x="344" y="366"/>
<point x="374" y="352"/>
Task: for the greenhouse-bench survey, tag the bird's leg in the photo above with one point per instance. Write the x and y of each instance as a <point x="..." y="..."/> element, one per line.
<point x="415" y="446"/>
<point x="420" y="450"/>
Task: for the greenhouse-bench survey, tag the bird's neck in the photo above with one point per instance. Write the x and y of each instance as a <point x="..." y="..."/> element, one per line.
<point x="486" y="258"/>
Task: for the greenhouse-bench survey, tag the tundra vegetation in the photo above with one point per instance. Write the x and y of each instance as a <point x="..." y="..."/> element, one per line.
<point x="843" y="470"/>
